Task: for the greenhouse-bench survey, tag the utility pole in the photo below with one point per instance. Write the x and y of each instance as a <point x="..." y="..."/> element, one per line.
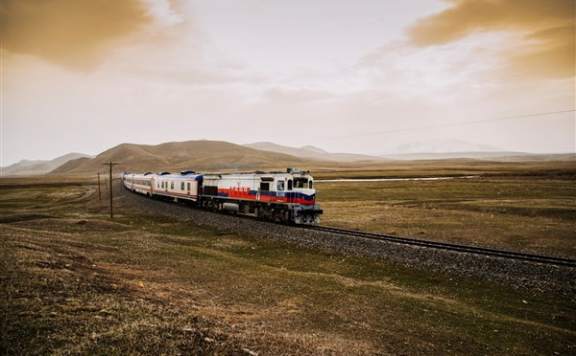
<point x="99" y="191"/>
<point x="110" y="165"/>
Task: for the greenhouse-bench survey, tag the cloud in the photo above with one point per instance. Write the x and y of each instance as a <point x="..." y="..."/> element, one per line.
<point x="546" y="48"/>
<point x="73" y="33"/>
<point x="296" y="95"/>
<point x="551" y="55"/>
<point x="194" y="75"/>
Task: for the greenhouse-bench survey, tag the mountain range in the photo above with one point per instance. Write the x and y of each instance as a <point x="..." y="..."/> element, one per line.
<point x="416" y="151"/>
<point x="311" y="152"/>
<point x="205" y="155"/>
<point x="202" y="155"/>
<point x="38" y="167"/>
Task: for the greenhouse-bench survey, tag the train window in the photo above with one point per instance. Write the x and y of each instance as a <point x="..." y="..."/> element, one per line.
<point x="188" y="186"/>
<point x="182" y="186"/>
<point x="289" y="184"/>
<point x="310" y="184"/>
<point x="264" y="187"/>
<point x="300" y="183"/>
<point x="171" y="185"/>
<point x="280" y="186"/>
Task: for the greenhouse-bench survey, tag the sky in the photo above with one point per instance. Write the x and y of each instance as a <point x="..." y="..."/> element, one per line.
<point x="363" y="76"/>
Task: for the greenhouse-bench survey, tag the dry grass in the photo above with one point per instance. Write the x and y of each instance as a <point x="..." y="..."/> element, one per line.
<point x="532" y="214"/>
<point x="73" y="282"/>
<point x="451" y="167"/>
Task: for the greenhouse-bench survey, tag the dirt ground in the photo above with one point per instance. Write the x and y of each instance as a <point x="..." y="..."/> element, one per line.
<point x="73" y="281"/>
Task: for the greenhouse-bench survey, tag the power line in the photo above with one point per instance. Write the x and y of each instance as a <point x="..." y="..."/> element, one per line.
<point x="452" y="124"/>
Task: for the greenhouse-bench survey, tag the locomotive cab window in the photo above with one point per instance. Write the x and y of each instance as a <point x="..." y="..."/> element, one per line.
<point x="280" y="186"/>
<point x="264" y="187"/>
<point x="289" y="184"/>
<point x="300" y="183"/>
<point x="310" y="184"/>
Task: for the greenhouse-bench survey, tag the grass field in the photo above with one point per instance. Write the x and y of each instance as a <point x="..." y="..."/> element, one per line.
<point x="71" y="281"/>
<point x="454" y="167"/>
<point x="533" y="214"/>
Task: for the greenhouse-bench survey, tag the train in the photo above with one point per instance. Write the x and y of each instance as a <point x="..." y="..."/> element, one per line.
<point x="285" y="197"/>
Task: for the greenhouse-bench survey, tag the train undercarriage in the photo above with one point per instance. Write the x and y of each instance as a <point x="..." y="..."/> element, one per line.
<point x="283" y="213"/>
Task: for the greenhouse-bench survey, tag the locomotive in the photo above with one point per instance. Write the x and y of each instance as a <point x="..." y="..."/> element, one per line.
<point x="288" y="197"/>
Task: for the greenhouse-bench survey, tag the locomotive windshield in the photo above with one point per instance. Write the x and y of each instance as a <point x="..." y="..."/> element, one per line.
<point x="300" y="182"/>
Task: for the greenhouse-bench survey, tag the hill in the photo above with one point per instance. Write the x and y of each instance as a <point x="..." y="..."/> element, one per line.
<point x="484" y="156"/>
<point x="312" y="152"/>
<point x="199" y="155"/>
<point x="38" y="167"/>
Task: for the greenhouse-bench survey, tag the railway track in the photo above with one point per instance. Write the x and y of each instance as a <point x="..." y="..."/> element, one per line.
<point x="446" y="246"/>
<point x="526" y="257"/>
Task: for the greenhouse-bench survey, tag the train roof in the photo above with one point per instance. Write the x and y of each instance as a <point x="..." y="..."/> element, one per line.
<point x="185" y="174"/>
<point x="181" y="176"/>
<point x="287" y="171"/>
<point x="193" y="174"/>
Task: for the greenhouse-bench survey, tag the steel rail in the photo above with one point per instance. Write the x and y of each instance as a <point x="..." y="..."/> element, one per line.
<point x="484" y="251"/>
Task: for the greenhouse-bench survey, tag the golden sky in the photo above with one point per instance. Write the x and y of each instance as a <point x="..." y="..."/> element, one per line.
<point x="546" y="28"/>
<point x="84" y="75"/>
<point x="75" y="33"/>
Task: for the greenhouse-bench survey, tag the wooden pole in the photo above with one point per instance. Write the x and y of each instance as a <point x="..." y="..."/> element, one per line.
<point x="110" y="165"/>
<point x="111" y="205"/>
<point x="99" y="191"/>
